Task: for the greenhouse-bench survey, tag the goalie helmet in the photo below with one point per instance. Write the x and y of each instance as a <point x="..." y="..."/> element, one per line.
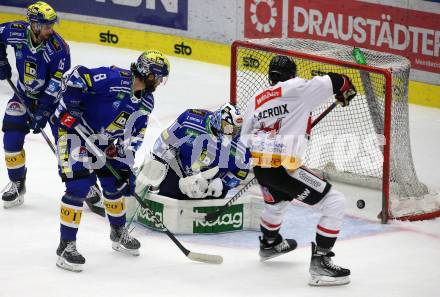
<point x="152" y="62"/>
<point x="41" y="13"/>
<point x="226" y="120"/>
<point x="281" y="68"/>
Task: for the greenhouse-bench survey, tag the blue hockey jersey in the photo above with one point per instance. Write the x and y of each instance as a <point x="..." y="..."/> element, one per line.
<point x="40" y="69"/>
<point x="197" y="148"/>
<point x="109" y="108"/>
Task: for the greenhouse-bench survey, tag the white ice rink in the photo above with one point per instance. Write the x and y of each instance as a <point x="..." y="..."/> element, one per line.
<point x="400" y="259"/>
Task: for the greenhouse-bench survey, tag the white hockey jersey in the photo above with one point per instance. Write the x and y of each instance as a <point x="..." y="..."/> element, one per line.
<point x="275" y="121"/>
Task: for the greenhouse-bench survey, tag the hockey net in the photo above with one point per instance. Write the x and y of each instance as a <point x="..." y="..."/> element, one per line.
<point x="350" y="144"/>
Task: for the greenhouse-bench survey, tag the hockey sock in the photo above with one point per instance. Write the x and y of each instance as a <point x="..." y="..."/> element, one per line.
<point x="70" y="215"/>
<point x="325" y="242"/>
<point x="115" y="209"/>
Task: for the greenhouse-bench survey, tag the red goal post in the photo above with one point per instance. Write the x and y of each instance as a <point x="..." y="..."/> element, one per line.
<point x="377" y="119"/>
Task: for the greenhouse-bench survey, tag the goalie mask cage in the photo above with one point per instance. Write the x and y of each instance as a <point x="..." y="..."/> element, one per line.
<point x="367" y="143"/>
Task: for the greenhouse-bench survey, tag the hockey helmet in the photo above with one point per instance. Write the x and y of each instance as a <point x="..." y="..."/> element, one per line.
<point x="152" y="62"/>
<point x="226" y="120"/>
<point x="41" y="13"/>
<point x="281" y="68"/>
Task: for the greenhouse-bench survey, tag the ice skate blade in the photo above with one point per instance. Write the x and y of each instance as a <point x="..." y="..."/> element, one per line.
<point x="14" y="203"/>
<point x="322" y="280"/>
<point x="120" y="248"/>
<point x="64" y="264"/>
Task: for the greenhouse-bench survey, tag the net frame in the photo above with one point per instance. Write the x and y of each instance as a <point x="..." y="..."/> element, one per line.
<point x="387" y="73"/>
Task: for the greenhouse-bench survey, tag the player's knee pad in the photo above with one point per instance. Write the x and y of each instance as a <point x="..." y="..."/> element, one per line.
<point x="110" y="187"/>
<point x="333" y="204"/>
<point x="13" y="141"/>
<point x="77" y="189"/>
<point x="332" y="208"/>
<point x="273" y="214"/>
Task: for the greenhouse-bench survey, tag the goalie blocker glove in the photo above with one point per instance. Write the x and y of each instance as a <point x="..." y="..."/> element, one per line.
<point x="343" y="88"/>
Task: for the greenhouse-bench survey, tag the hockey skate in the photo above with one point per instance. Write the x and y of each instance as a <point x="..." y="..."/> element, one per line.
<point x="94" y="202"/>
<point x="277" y="248"/>
<point x="69" y="258"/>
<point x="14" y="195"/>
<point x="123" y="242"/>
<point x="322" y="270"/>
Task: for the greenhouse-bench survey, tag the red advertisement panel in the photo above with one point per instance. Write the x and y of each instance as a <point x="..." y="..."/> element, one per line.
<point x="263" y="18"/>
<point x="409" y="33"/>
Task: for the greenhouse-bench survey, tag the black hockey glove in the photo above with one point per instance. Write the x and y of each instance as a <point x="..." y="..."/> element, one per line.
<point x="346" y="92"/>
<point x="40" y="119"/>
<point x="127" y="184"/>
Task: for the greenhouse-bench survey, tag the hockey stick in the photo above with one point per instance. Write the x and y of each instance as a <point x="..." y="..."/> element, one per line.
<point x="206" y="258"/>
<point x="99" y="211"/>
<point x="212" y="216"/>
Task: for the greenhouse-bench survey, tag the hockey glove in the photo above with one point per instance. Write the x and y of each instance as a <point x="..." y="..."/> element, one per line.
<point x="346" y="93"/>
<point x="196" y="186"/>
<point x="5" y="69"/>
<point x="215" y="188"/>
<point x="127" y="184"/>
<point x="40" y="119"/>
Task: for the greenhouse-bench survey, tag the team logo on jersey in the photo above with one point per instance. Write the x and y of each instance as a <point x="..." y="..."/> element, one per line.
<point x="116" y="104"/>
<point x="273" y="112"/>
<point x="271" y="130"/>
<point x="30" y="72"/>
<point x="119" y="123"/>
<point x="267" y="96"/>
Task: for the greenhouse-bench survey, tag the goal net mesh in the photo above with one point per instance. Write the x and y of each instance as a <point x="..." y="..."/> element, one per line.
<point x="348" y="144"/>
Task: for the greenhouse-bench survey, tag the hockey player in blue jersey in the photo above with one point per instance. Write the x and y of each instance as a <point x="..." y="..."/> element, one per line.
<point x="112" y="105"/>
<point x="202" y="154"/>
<point x="42" y="57"/>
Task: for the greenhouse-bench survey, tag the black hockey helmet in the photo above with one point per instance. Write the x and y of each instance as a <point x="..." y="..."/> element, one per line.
<point x="281" y="68"/>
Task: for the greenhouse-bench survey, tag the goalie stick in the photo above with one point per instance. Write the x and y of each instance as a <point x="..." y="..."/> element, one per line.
<point x="212" y="216"/>
<point x="200" y="257"/>
<point x="95" y="209"/>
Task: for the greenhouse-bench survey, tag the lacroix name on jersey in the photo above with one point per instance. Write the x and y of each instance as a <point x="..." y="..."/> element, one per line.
<point x="267" y="96"/>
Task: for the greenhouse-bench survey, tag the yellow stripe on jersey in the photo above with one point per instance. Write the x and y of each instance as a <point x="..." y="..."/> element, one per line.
<point x="115" y="208"/>
<point x="267" y="160"/>
<point x="15" y="160"/>
<point x="70" y="215"/>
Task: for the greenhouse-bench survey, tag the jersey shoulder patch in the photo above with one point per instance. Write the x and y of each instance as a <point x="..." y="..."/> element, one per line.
<point x="58" y="45"/>
<point x="197" y="112"/>
<point x="21" y="26"/>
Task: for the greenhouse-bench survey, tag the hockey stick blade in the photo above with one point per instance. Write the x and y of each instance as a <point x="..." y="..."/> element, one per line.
<point x="205" y="258"/>
<point x="95" y="209"/>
